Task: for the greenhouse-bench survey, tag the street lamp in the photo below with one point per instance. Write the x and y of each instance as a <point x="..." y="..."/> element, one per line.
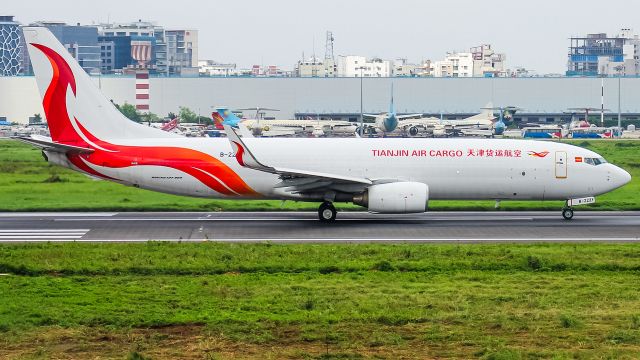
<point x="361" y="130"/>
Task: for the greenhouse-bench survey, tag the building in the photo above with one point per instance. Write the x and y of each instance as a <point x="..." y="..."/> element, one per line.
<point x="81" y="42"/>
<point x="182" y="51"/>
<point x="488" y="63"/>
<point x="356" y="66"/>
<point x="316" y="67"/>
<point x="120" y="35"/>
<point x="115" y="53"/>
<point x="311" y="67"/>
<point x="402" y="68"/>
<point x="12" y="50"/>
<point x="454" y="65"/>
<point x="599" y="54"/>
<point x="214" y="68"/>
<point x="544" y="99"/>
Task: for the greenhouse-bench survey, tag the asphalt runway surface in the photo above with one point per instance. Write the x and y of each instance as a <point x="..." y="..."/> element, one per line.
<point x="305" y="227"/>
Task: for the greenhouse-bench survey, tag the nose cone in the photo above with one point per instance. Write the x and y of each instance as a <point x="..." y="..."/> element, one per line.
<point x="620" y="177"/>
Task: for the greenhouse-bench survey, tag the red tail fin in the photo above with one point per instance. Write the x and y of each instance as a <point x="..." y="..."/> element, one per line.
<point x="217" y="120"/>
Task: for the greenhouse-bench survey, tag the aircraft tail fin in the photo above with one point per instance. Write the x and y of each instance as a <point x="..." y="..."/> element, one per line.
<point x="392" y="108"/>
<point x="218" y="121"/>
<point x="75" y="109"/>
<point x="487" y="111"/>
<point x="228" y="117"/>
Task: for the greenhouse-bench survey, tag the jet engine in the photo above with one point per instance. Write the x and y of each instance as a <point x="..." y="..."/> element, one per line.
<point x="56" y="158"/>
<point x="397" y="197"/>
<point x="413" y="131"/>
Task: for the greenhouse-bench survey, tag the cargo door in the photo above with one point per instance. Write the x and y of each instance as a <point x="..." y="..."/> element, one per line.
<point x="561" y="164"/>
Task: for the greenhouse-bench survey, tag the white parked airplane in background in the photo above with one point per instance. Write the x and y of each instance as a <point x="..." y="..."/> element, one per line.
<point x="88" y="134"/>
<point x="282" y="127"/>
<point x="441" y="127"/>
<point x="386" y="122"/>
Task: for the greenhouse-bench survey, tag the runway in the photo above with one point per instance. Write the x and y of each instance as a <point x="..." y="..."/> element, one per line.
<point x="304" y="227"/>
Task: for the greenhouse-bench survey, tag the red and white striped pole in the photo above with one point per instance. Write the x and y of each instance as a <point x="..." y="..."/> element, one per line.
<point x="141" y="52"/>
<point x="142" y="90"/>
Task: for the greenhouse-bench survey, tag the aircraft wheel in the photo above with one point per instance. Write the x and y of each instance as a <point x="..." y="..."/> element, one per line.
<point x="327" y="212"/>
<point x="567" y="213"/>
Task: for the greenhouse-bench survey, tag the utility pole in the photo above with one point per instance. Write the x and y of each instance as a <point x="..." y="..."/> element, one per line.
<point x="361" y="111"/>
<point x="619" y="109"/>
<point x="602" y="101"/>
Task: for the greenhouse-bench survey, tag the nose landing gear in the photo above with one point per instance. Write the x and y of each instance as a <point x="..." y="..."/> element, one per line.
<point x="327" y="212"/>
<point x="567" y="213"/>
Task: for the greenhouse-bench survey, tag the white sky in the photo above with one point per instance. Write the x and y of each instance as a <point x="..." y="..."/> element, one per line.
<point x="534" y="34"/>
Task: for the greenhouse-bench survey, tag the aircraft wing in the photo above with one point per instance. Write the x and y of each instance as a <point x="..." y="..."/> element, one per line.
<point x="410" y="116"/>
<point x="295" y="180"/>
<point x="373" y="116"/>
<point x="45" y="143"/>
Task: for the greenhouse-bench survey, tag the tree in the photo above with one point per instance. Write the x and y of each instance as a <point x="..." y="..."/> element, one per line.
<point x="172" y="115"/>
<point x="205" y="120"/>
<point x="187" y="115"/>
<point x="129" y="111"/>
<point x="37" y="118"/>
<point x="150" y="117"/>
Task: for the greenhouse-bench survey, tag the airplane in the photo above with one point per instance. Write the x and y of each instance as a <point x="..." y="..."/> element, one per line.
<point x="385" y="122"/>
<point x="281" y="127"/>
<point x="496" y="128"/>
<point x="399" y="176"/>
<point x="483" y="124"/>
<point x="171" y="125"/>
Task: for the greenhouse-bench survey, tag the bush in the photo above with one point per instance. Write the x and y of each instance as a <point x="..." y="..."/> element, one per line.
<point x="55" y="178"/>
<point x="568" y="321"/>
<point x="383" y="266"/>
<point x="534" y="263"/>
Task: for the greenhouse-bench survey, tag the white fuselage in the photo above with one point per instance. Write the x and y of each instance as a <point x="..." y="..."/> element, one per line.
<point x="299" y="125"/>
<point x="498" y="169"/>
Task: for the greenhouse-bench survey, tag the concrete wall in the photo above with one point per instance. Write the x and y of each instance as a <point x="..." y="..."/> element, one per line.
<point x="19" y="96"/>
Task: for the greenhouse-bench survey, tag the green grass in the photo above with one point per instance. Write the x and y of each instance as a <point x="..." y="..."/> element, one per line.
<point x="210" y="300"/>
<point x="28" y="183"/>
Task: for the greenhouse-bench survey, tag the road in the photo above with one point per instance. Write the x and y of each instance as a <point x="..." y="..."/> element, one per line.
<point x="304" y="227"/>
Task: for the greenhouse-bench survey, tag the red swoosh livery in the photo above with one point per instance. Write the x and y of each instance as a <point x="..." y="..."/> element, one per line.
<point x="208" y="170"/>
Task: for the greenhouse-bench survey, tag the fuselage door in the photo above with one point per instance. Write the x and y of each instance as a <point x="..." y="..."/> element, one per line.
<point x="561" y="164"/>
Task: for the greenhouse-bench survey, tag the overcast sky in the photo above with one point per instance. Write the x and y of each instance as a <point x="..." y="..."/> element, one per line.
<point x="533" y="34"/>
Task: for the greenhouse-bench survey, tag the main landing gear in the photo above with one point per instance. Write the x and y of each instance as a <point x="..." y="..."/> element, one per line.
<point x="567" y="212"/>
<point x="327" y="212"/>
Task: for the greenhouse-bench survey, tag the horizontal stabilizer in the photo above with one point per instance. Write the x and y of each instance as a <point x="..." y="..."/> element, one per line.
<point x="46" y="143"/>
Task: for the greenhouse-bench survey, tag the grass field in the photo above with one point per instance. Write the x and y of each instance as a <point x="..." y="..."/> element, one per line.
<point x="265" y="301"/>
<point x="28" y="183"/>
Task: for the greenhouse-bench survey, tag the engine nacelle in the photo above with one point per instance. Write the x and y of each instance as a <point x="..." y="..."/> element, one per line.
<point x="56" y="158"/>
<point x="397" y="197"/>
<point x="413" y="131"/>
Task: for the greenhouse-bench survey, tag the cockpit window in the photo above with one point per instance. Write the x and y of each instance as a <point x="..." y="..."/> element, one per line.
<point x="595" y="161"/>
